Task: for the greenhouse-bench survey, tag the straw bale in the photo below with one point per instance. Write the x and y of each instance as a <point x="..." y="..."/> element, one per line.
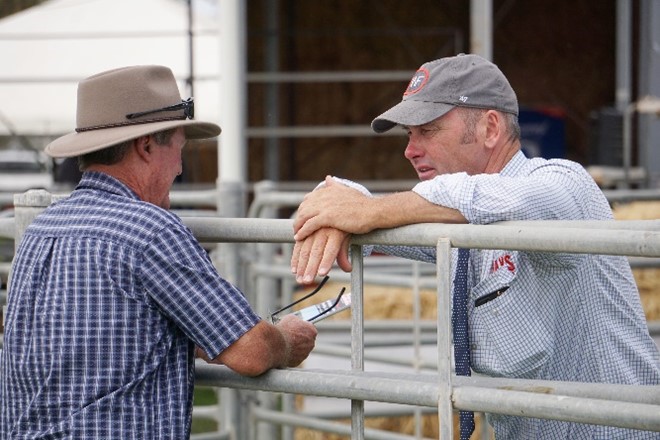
<point x="639" y="210"/>
<point x="647" y="279"/>
<point x="380" y="302"/>
<point x="429" y="427"/>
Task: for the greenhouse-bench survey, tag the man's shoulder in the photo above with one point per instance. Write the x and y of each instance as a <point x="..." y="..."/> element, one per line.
<point x="112" y="217"/>
<point x="566" y="167"/>
<point x="537" y="162"/>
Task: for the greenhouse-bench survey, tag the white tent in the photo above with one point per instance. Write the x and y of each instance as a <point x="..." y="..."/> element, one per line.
<point x="47" y="49"/>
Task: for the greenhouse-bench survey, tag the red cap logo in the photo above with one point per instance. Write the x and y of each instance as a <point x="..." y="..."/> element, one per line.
<point x="417" y="82"/>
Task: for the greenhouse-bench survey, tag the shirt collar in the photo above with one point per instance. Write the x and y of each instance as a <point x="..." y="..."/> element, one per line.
<point x="516" y="163"/>
<point x="95" y="180"/>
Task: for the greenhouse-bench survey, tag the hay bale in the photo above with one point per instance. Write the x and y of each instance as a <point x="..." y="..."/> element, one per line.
<point x="381" y="302"/>
<point x="402" y="425"/>
<point x="639" y="210"/>
<point x="647" y="279"/>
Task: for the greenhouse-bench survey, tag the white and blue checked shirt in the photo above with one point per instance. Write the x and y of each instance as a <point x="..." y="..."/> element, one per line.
<point x="108" y="297"/>
<point x="564" y="317"/>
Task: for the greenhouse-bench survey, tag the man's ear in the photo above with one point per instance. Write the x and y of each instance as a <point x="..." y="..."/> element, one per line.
<point x="494" y="130"/>
<point x="143" y="147"/>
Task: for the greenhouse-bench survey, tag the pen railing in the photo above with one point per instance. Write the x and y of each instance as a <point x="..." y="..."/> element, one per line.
<point x="639" y="409"/>
<point x="627" y="406"/>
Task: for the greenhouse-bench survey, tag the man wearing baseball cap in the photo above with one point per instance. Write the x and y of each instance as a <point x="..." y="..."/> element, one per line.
<point x="111" y="294"/>
<point x="515" y="314"/>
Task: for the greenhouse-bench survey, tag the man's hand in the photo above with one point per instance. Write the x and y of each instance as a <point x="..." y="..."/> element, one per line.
<point x="267" y="346"/>
<point x="300" y="337"/>
<point x="315" y="254"/>
<point x="336" y="206"/>
<point x="328" y="215"/>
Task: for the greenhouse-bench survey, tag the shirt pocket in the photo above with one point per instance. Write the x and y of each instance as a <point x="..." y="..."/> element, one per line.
<point x="509" y="336"/>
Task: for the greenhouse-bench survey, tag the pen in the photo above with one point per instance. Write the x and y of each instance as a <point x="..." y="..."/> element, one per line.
<point x="489" y="297"/>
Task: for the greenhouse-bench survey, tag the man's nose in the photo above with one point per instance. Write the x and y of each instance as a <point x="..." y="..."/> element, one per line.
<point x="412" y="151"/>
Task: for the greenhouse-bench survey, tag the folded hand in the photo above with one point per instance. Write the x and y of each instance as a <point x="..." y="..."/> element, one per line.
<point x="315" y="254"/>
<point x="336" y="206"/>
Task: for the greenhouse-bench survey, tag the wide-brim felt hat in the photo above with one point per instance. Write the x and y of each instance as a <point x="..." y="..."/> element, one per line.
<point x="123" y="104"/>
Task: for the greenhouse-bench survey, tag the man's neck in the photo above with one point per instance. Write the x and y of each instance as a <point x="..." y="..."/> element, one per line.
<point x="123" y="174"/>
<point x="502" y="156"/>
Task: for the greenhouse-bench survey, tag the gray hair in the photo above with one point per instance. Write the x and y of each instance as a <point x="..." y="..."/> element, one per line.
<point x="471" y="117"/>
<point x="512" y="125"/>
<point x="115" y="153"/>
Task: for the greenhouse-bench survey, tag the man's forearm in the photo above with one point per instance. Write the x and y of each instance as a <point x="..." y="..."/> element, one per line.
<point x="340" y="207"/>
<point x="407" y="208"/>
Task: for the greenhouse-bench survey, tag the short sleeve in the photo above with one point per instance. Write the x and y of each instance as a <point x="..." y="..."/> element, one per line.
<point x="181" y="280"/>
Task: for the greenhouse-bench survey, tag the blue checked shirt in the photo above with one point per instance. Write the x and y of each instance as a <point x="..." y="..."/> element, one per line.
<point x="562" y="317"/>
<point x="108" y="297"/>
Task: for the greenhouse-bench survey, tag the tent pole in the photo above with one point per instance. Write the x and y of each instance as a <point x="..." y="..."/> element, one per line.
<point x="232" y="169"/>
<point x="191" y="51"/>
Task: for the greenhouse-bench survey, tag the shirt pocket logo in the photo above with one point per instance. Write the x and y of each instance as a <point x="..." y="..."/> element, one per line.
<point x="504" y="261"/>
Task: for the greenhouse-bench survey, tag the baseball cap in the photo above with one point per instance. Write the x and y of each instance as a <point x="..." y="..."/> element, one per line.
<point x="464" y="80"/>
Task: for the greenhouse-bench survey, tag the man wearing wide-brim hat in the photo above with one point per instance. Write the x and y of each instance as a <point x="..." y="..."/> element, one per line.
<point x="111" y="293"/>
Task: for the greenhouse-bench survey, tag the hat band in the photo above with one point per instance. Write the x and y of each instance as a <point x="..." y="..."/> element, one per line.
<point x="124" y="124"/>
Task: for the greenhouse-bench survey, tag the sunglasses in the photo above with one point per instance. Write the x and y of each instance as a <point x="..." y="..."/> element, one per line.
<point x="188" y="107"/>
<point x="321" y="309"/>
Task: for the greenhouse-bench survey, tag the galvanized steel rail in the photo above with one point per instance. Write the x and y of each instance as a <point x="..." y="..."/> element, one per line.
<point x="637" y="238"/>
<point x="616" y="405"/>
<point x="596" y="237"/>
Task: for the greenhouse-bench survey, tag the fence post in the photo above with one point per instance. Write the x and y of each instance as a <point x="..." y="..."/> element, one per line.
<point x="357" y="336"/>
<point x="444" y="273"/>
<point x="265" y="293"/>
<point x="234" y="404"/>
<point x="27" y="207"/>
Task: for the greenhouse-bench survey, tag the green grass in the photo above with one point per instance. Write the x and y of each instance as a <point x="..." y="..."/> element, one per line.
<point x="204" y="396"/>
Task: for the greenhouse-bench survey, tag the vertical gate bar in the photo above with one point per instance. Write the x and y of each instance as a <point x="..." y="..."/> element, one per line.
<point x="357" y="337"/>
<point x="288" y="400"/>
<point x="444" y="266"/>
<point x="417" y="338"/>
<point x="267" y="289"/>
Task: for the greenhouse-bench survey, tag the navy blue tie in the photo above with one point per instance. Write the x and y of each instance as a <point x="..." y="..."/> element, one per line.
<point x="459" y="323"/>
